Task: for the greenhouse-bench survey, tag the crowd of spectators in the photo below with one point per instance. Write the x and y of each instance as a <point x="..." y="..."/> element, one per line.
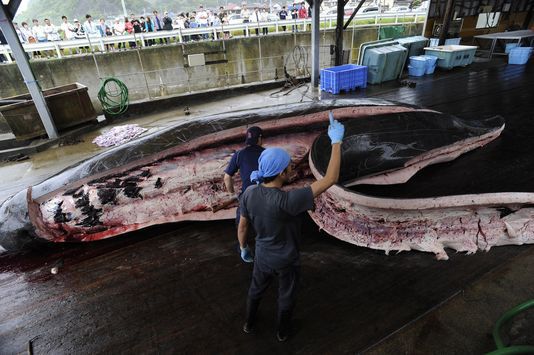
<point x="47" y="31"/>
<point x="89" y="28"/>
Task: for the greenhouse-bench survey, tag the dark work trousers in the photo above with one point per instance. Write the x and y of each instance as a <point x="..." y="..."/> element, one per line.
<point x="288" y="279"/>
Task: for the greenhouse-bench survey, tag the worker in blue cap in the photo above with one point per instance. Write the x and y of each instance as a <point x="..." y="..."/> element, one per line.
<point x="276" y="216"/>
<point x="245" y="161"/>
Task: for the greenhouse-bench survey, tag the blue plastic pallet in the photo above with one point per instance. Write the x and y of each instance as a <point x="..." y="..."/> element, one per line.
<point x="344" y="77"/>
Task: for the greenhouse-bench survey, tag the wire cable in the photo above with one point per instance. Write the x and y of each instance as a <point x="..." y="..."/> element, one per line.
<point x="299" y="55"/>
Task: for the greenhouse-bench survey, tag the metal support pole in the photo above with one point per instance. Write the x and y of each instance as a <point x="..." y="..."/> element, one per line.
<point x="315" y="37"/>
<point x="27" y="74"/>
<point x="261" y="59"/>
<point x="446" y="21"/>
<point x="426" y="21"/>
<point x="339" y="31"/>
<point x="528" y="17"/>
<point x="143" y="71"/>
<point x="353" y="14"/>
<point x="124" y="9"/>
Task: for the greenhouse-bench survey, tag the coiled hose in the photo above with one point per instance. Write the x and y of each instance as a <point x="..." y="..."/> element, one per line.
<point x="514" y="349"/>
<point x="113" y="96"/>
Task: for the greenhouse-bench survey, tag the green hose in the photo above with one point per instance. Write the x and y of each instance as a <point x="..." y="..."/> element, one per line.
<point x="113" y="96"/>
<point x="515" y="349"/>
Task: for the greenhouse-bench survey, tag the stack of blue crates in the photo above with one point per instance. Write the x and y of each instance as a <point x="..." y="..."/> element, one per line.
<point x="344" y="77"/>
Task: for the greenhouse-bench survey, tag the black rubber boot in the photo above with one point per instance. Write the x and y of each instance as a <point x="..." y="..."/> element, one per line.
<point x="252" y="310"/>
<point x="284" y="325"/>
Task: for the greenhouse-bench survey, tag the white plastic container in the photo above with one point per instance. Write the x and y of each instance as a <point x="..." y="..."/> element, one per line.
<point x="453" y="55"/>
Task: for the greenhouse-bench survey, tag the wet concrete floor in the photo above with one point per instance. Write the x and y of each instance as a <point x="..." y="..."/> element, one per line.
<point x="180" y="288"/>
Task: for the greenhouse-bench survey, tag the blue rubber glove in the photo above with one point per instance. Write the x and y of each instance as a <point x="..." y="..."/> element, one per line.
<point x="336" y="130"/>
<point x="246" y="254"/>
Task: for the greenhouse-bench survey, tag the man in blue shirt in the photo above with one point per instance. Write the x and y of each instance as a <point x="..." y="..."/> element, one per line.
<point x="276" y="216"/>
<point x="246" y="161"/>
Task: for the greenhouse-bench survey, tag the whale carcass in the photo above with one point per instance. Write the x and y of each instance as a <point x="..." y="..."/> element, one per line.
<point x="176" y="175"/>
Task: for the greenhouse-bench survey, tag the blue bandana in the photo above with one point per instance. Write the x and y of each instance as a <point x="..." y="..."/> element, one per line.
<point x="272" y="162"/>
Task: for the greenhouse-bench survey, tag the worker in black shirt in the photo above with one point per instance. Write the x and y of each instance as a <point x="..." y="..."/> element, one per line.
<point x="276" y="216"/>
<point x="246" y="161"/>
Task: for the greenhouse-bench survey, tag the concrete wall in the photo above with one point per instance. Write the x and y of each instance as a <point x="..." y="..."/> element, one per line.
<point x="236" y="61"/>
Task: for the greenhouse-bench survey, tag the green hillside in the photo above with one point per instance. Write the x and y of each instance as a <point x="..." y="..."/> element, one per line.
<point x="54" y="9"/>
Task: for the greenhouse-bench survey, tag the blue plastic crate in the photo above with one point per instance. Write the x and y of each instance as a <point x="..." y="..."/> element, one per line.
<point x="344" y="77"/>
<point x="519" y="55"/>
<point x="509" y="47"/>
<point x="434" y="42"/>
<point x="455" y="41"/>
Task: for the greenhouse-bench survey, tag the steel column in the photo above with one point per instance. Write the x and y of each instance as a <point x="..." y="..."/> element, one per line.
<point x="339" y="31"/>
<point x="446" y="21"/>
<point x="315" y="42"/>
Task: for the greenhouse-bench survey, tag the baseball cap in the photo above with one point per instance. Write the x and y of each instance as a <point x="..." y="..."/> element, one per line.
<point x="253" y="134"/>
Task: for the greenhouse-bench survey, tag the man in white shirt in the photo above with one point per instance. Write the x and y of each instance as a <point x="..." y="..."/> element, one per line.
<point x="39" y="31"/>
<point x="245" y="15"/>
<point x="264" y="17"/>
<point x="67" y="28"/>
<point x="202" y="16"/>
<point x="256" y="17"/>
<point x="51" y="31"/>
<point x="27" y="35"/>
<point x="202" y="19"/>
<point x="118" y="30"/>
<point x="90" y="27"/>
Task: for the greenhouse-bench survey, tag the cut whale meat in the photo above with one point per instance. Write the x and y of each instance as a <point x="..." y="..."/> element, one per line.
<point x="463" y="222"/>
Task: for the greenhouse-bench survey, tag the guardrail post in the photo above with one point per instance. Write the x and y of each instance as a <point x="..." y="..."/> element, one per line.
<point x="7" y="55"/>
<point x="180" y="38"/>
<point x="58" y="51"/>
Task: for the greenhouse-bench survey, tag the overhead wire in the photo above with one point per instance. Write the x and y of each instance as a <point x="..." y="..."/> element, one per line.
<point x="299" y="56"/>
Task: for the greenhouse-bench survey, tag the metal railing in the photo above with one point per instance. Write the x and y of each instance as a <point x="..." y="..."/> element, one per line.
<point x="215" y="32"/>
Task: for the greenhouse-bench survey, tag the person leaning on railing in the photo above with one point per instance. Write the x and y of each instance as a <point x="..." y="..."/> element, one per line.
<point x="167" y="24"/>
<point x="118" y="30"/>
<point x="283" y="16"/>
<point x="245" y="15"/>
<point x="67" y="28"/>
